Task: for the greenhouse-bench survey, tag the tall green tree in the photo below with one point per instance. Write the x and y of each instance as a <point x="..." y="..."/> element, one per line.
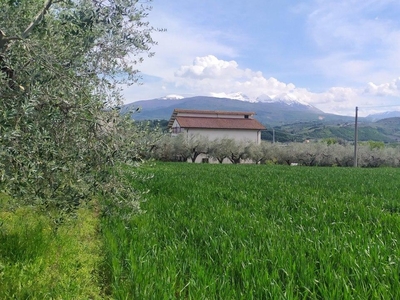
<point x="61" y="65"/>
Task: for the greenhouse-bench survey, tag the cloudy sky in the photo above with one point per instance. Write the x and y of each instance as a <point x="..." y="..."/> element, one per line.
<point x="333" y="54"/>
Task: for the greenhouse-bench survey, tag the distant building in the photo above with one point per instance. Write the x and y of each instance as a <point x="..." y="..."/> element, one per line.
<point x="215" y="124"/>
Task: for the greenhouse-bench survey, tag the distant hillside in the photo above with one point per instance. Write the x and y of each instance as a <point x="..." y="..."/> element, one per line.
<point x="389" y="122"/>
<point x="387" y="130"/>
<point x="268" y="113"/>
<point x="291" y="121"/>
<point x="389" y="127"/>
<point x="384" y="115"/>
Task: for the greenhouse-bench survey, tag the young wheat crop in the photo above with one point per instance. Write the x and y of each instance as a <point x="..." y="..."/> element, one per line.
<point x="259" y="232"/>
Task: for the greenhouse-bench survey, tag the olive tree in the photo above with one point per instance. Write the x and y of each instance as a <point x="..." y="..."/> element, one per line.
<point x="285" y="154"/>
<point x="310" y="154"/>
<point x="198" y="144"/>
<point x="219" y="149"/>
<point x="260" y="153"/>
<point x="181" y="147"/>
<point x="164" y="149"/>
<point x="343" y="155"/>
<point x="228" y="148"/>
<point x="61" y="65"/>
<point x="371" y="156"/>
<point x="189" y="146"/>
<point x="254" y="152"/>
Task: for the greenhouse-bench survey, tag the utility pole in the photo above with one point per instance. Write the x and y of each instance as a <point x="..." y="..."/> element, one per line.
<point x="355" y="137"/>
<point x="273" y="136"/>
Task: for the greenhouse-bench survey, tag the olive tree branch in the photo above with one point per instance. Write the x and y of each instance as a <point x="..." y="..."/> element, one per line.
<point x="5" y="41"/>
<point x="38" y="18"/>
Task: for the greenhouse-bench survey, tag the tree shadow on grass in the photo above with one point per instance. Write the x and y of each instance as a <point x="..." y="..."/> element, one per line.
<point x="24" y="245"/>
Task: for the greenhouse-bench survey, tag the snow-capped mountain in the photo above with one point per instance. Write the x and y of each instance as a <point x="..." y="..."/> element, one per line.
<point x="287" y="98"/>
<point x="285" y="101"/>
<point x="265" y="98"/>
<point x="280" y="109"/>
<point x="284" y="98"/>
<point x="234" y="96"/>
<point x="172" y="97"/>
<point x="384" y="115"/>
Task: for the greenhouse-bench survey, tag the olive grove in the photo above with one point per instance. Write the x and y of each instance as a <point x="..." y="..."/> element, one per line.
<point x="318" y="153"/>
<point x="62" y="63"/>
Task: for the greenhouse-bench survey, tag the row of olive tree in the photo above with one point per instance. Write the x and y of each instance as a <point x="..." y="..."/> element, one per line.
<point x="184" y="148"/>
<point x="188" y="148"/>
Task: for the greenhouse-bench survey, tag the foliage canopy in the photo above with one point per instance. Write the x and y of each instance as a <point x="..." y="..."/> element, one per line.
<point x="62" y="64"/>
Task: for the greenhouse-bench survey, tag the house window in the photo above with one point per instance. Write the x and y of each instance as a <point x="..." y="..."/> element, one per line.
<point x="246" y="116"/>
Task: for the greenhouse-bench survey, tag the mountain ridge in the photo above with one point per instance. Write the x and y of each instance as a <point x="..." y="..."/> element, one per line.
<point x="383" y="115"/>
<point x="271" y="112"/>
<point x="291" y="121"/>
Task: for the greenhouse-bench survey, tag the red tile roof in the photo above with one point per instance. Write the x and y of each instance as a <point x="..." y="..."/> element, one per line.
<point x="205" y="122"/>
<point x="219" y="123"/>
<point x="209" y="112"/>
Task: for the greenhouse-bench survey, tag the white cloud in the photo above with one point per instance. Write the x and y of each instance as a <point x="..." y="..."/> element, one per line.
<point x="351" y="24"/>
<point x="211" y="76"/>
<point x="208" y="67"/>
<point x="180" y="43"/>
<point x="347" y="50"/>
<point x="337" y="100"/>
<point x="355" y="44"/>
<point x="385" y="89"/>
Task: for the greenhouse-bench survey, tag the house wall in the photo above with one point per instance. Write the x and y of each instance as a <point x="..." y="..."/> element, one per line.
<point x="175" y="124"/>
<point x="212" y="134"/>
<point x="236" y="134"/>
<point x="176" y="129"/>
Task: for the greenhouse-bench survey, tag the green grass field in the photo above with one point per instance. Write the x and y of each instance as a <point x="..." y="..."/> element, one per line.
<point x="37" y="262"/>
<point x="259" y="232"/>
<point x="217" y="232"/>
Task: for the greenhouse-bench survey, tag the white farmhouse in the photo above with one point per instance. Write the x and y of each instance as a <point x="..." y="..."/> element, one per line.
<point x="214" y="124"/>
